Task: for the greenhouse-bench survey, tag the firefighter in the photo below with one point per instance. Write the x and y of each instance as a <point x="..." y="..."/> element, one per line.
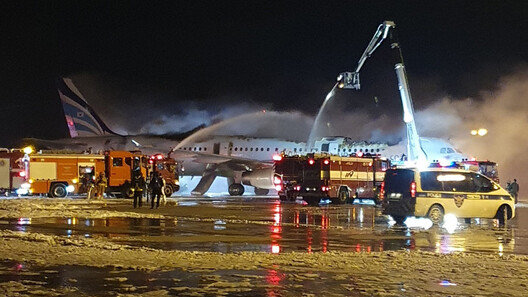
<point x="138" y="184"/>
<point x="156" y="184"/>
<point x="515" y="190"/>
<point x="101" y="183"/>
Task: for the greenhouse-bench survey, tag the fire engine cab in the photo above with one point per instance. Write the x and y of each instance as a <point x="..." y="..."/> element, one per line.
<point x="167" y="168"/>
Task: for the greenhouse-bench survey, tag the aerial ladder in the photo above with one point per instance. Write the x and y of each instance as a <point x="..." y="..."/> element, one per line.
<point x="350" y="80"/>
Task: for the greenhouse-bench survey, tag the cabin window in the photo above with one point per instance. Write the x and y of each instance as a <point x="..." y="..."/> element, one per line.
<point x="261" y="149"/>
<point x="276" y="149"/>
<point x="246" y="149"/>
<point x="267" y="150"/>
<point x="117" y="162"/>
<point x="205" y="148"/>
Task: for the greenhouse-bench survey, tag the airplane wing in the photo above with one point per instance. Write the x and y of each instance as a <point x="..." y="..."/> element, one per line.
<point x="227" y="162"/>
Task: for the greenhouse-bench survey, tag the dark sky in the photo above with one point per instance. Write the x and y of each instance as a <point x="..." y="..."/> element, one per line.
<point x="284" y="55"/>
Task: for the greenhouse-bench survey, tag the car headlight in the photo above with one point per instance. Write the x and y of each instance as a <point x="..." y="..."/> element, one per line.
<point x="70" y="188"/>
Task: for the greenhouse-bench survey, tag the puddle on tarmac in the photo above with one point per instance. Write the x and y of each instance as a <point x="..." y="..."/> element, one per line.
<point x="276" y="228"/>
<point x="69" y="280"/>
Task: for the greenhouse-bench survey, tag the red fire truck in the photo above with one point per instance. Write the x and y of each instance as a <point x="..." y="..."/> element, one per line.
<point x="336" y="178"/>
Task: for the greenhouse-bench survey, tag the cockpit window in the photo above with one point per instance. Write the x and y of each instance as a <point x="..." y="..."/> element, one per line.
<point x="443" y="150"/>
<point x="450" y="150"/>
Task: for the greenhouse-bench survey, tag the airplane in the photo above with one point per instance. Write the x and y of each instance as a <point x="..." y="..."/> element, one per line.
<point x="436" y="150"/>
<point x="242" y="160"/>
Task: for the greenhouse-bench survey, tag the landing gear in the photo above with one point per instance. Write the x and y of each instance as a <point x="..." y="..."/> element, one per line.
<point x="236" y="189"/>
<point x="261" y="192"/>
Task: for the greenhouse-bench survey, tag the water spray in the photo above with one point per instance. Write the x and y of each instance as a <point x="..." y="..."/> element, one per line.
<point x="316" y="124"/>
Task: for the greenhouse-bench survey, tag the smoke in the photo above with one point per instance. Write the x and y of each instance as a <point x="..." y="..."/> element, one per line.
<point x="503" y="112"/>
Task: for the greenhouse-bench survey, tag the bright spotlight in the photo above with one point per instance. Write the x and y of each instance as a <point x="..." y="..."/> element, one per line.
<point x="423" y="223"/>
<point x="28" y="150"/>
<point x="474" y="132"/>
<point x="482" y="131"/>
<point x="450" y="223"/>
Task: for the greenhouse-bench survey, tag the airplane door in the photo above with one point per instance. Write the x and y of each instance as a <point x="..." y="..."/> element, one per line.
<point x="216" y="148"/>
<point x="230" y="148"/>
<point x="325" y="147"/>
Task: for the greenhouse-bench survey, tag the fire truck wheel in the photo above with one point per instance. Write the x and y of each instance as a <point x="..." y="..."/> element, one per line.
<point x="127" y="191"/>
<point x="168" y="191"/>
<point x="261" y="192"/>
<point x="58" y="191"/>
<point x="236" y="189"/>
<point x="342" y="197"/>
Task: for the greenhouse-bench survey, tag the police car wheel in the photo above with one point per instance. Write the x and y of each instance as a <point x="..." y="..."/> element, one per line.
<point x="503" y="214"/>
<point x="58" y="190"/>
<point x="436" y="214"/>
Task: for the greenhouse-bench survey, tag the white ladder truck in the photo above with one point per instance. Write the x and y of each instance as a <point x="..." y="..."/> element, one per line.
<point x="350" y="80"/>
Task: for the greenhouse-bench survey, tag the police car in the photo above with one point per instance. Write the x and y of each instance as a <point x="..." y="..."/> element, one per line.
<point x="434" y="192"/>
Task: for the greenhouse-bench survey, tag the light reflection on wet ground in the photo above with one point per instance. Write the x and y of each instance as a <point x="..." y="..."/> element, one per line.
<point x="245" y="224"/>
<point x="72" y="280"/>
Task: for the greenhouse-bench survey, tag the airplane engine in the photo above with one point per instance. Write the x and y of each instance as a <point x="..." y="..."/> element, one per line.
<point x="262" y="179"/>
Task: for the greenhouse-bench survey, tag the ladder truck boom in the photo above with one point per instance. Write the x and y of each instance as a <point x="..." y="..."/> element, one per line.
<point x="350" y="80"/>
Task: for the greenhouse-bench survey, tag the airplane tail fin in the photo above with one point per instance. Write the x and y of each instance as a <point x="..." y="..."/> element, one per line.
<point x="80" y="117"/>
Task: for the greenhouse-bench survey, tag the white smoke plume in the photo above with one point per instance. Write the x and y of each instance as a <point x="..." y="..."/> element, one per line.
<point x="503" y="112"/>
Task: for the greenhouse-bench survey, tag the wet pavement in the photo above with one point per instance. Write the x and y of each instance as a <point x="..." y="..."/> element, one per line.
<point x="229" y="225"/>
<point x="264" y="224"/>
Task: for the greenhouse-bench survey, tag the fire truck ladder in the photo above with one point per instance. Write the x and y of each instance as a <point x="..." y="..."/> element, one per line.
<point x="350" y="80"/>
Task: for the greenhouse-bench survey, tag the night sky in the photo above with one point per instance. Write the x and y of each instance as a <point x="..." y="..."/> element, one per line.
<point x="283" y="55"/>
